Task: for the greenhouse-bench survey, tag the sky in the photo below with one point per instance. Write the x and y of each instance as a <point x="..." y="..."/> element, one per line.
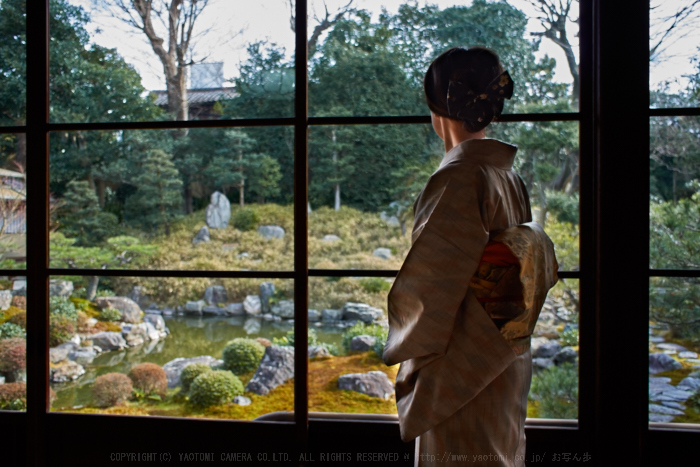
<point x="231" y="24"/>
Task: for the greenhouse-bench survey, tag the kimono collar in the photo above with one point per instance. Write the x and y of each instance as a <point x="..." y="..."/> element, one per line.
<point x="487" y="151"/>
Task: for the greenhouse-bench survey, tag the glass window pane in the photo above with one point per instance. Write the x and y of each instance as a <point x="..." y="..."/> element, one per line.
<point x="554" y="388"/>
<point x="378" y="54"/>
<point x="674" y="212"/>
<point x="674" y="343"/>
<point x="143" y="332"/>
<point x="204" y="199"/>
<point x="13" y="63"/>
<point x="673" y="53"/>
<point x="13" y="343"/>
<point x="13" y="201"/>
<point x="112" y="63"/>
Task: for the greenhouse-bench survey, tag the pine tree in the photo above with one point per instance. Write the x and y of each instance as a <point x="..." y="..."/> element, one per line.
<point x="83" y="219"/>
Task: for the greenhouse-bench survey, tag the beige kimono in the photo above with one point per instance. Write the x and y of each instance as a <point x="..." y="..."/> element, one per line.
<point x="463" y="382"/>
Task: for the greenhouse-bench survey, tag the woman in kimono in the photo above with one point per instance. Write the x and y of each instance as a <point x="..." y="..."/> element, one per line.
<point x="466" y="300"/>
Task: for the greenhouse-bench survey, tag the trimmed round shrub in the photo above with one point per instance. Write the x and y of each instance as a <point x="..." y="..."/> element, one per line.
<point x="13" y="396"/>
<point x="13" y="354"/>
<point x="242" y="355"/>
<point x="61" y="306"/>
<point x="111" y="389"/>
<point x="110" y="314"/>
<point x="150" y="378"/>
<point x="215" y="388"/>
<point x="190" y="373"/>
<point x="245" y="219"/>
<point x="61" y="329"/>
<point x="8" y="330"/>
<point x="20" y="319"/>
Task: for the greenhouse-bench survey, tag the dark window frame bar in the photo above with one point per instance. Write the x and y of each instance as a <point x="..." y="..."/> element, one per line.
<point x="598" y="426"/>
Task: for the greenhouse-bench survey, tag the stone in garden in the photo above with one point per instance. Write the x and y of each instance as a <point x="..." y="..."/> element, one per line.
<point x="215" y="294"/>
<point x="331" y="315"/>
<point x="393" y="221"/>
<point x="547" y="350"/>
<point x="565" y="355"/>
<point x="659" y="418"/>
<point x="195" y="308"/>
<point x="267" y="289"/>
<point x="659" y="362"/>
<point x="687" y="354"/>
<point x="373" y="383"/>
<point x="168" y="312"/>
<point x="314" y="315"/>
<point x="60" y="288"/>
<point x="319" y="352"/>
<point x="271" y="231"/>
<point x="235" y="309"/>
<point x="362" y="342"/>
<point x="214" y="311"/>
<point x="139" y="296"/>
<point x="656" y="339"/>
<point x="19" y="287"/>
<point x="252" y="305"/>
<point x="383" y="253"/>
<point x="330" y="238"/>
<point x="689" y="383"/>
<point x="536" y="343"/>
<point x="284" y="309"/>
<point x="276" y="367"/>
<point x="656" y="408"/>
<point x="671" y="346"/>
<point x="252" y="325"/>
<point x="131" y="312"/>
<point x="263" y="341"/>
<point x="542" y="363"/>
<point x="202" y="236"/>
<point x="242" y="255"/>
<point x="673" y="405"/>
<point x="547" y="318"/>
<point x="5" y="299"/>
<point x="108" y="340"/>
<point x="156" y="320"/>
<point x="173" y="368"/>
<point x="152" y="310"/>
<point x="2" y="380"/>
<point x="151" y="331"/>
<point x="83" y="355"/>
<point x="69" y="371"/>
<point x="677" y="395"/>
<point x="58" y="354"/>
<point x="241" y="400"/>
<point x="218" y="212"/>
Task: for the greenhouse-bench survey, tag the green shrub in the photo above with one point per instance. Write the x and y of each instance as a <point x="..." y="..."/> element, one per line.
<point x="379" y="333"/>
<point x="556" y="390"/>
<point x="20" y="319"/>
<point x="242" y="355"/>
<point x="60" y="306"/>
<point x="214" y="388"/>
<point x="375" y="284"/>
<point x="245" y="219"/>
<point x="111" y="389"/>
<point x="61" y="329"/>
<point x="190" y="373"/>
<point x="13" y="354"/>
<point x="569" y="337"/>
<point x="13" y="396"/>
<point x="288" y="339"/>
<point x="9" y="330"/>
<point x="149" y="378"/>
<point x="110" y="314"/>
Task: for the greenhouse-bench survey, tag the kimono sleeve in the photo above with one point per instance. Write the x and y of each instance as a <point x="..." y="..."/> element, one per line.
<point x="435" y="277"/>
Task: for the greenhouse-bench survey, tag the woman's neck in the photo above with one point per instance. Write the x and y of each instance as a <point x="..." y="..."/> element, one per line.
<point x="452" y="132"/>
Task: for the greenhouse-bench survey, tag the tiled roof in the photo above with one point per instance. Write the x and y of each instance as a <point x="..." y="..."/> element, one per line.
<point x="198" y="96"/>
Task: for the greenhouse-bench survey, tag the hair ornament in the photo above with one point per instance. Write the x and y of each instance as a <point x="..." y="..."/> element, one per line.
<point x="464" y="104"/>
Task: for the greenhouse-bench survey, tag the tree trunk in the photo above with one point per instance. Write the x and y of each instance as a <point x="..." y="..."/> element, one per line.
<point x="335" y="160"/>
<point x="21" y="157"/>
<point x="187" y="195"/>
<point x="100" y="186"/>
<point x="241" y="184"/>
<point x="241" y="193"/>
<point x="93" y="281"/>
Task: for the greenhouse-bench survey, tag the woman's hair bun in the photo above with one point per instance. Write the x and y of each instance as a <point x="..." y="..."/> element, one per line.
<point x="468" y="85"/>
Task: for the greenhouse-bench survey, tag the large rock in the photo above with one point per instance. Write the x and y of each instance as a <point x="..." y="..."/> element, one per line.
<point x="60" y="288"/>
<point x="173" y="368"/>
<point x="202" y="236"/>
<point x="547" y="350"/>
<point x="373" y="383"/>
<point x="659" y="362"/>
<point x="156" y="320"/>
<point x="218" y="212"/>
<point x="215" y="294"/>
<point x="267" y="289"/>
<point x="565" y="355"/>
<point x="689" y="383"/>
<point x="361" y="311"/>
<point x="131" y="312"/>
<point x="69" y="371"/>
<point x="195" y="308"/>
<point x="276" y="367"/>
<point x="82" y="355"/>
<point x="252" y="305"/>
<point x="319" y="352"/>
<point x="60" y="353"/>
<point x="235" y="309"/>
<point x="330" y="315"/>
<point x="271" y="231"/>
<point x="314" y="315"/>
<point x="214" y="311"/>
<point x="362" y="342"/>
<point x="330" y="238"/>
<point x="108" y="340"/>
<point x="284" y="309"/>
<point x="5" y="299"/>
<point x="383" y="253"/>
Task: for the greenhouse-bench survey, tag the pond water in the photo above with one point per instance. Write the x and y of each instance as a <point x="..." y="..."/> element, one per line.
<point x="189" y="337"/>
